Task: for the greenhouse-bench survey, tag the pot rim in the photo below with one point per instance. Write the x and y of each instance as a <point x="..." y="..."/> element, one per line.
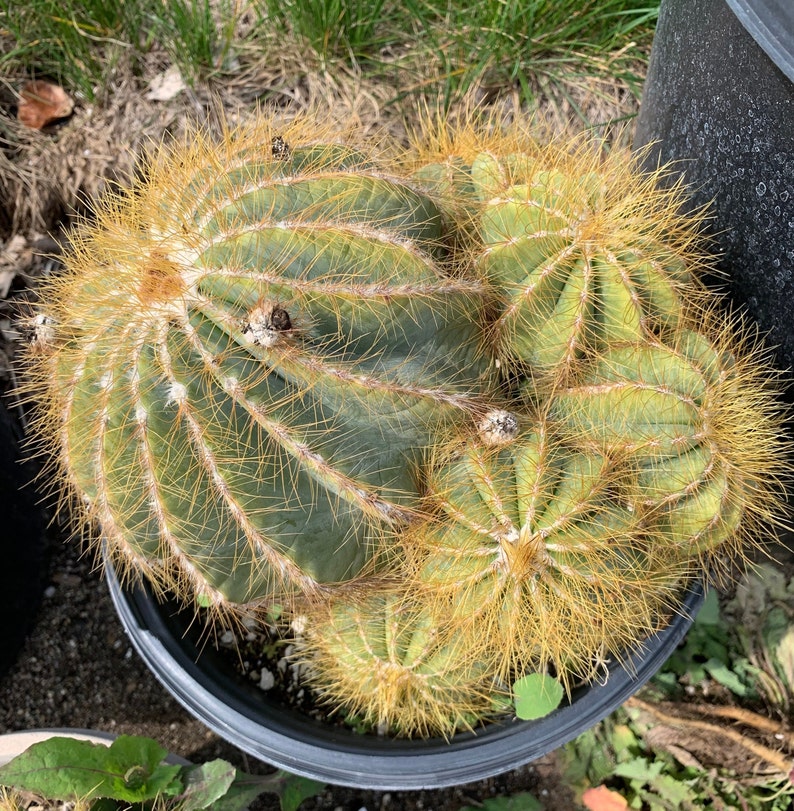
<point x="771" y="24"/>
<point x="168" y="640"/>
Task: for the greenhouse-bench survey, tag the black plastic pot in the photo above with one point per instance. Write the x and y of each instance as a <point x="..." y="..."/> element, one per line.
<point x="23" y="545"/>
<point x="171" y="644"/>
<point x="719" y="100"/>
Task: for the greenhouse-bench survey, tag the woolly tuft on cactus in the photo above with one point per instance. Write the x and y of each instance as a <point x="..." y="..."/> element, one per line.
<point x="247" y="354"/>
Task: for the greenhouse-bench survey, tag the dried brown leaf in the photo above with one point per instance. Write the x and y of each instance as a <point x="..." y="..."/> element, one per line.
<point x="41" y="103"/>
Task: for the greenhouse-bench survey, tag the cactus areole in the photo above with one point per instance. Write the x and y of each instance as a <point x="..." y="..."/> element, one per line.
<point x="244" y="358"/>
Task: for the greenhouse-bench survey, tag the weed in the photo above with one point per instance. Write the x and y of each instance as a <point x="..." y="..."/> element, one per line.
<point x="419" y="48"/>
<point x="745" y="645"/>
<point x="80" y="42"/>
<point x="539" y="47"/>
<point x="710" y="651"/>
<point x="617" y="755"/>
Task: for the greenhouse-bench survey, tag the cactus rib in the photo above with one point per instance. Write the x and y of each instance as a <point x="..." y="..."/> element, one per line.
<point x="248" y="357"/>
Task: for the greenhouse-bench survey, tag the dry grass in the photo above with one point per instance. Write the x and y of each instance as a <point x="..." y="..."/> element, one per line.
<point x="48" y="176"/>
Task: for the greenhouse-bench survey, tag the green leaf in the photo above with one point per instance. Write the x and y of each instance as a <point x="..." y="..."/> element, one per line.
<point x="666" y="681"/>
<point x="291" y="789"/>
<point x="588" y="758"/>
<point x="518" y="802"/>
<point x="296" y="789"/>
<point x="639" y="769"/>
<point x="536" y="695"/>
<point x="677" y="793"/>
<point x="130" y="770"/>
<point x="242" y="792"/>
<point x="722" y="674"/>
<point x="206" y="784"/>
<point x="624" y="742"/>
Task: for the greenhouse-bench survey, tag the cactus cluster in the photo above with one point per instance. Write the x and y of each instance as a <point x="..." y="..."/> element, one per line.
<point x="471" y="412"/>
<point x="251" y="350"/>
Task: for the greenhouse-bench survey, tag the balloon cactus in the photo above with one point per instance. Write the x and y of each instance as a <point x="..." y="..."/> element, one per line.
<point x="390" y="662"/>
<point x="695" y="417"/>
<point x="583" y="249"/>
<point x="245" y="357"/>
<point x="471" y="413"/>
<point x="534" y="557"/>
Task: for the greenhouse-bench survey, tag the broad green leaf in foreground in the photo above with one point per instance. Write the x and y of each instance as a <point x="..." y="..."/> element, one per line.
<point x="295" y="789"/>
<point x="130" y="769"/>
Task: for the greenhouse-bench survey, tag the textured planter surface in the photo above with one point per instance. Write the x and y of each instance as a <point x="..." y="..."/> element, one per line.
<point x="771" y="24"/>
<point x="716" y="102"/>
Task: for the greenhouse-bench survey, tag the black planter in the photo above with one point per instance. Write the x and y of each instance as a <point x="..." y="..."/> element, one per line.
<point x="23" y="544"/>
<point x="719" y="100"/>
<point x="170" y="643"/>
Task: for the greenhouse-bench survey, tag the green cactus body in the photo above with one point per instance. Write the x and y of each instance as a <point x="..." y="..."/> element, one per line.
<point x="263" y="368"/>
<point x="694" y="427"/>
<point x="577" y="266"/>
<point x="387" y="661"/>
<point x="535" y="558"/>
<point x="249" y="353"/>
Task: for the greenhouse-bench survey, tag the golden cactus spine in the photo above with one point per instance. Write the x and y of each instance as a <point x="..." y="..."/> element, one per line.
<point x="388" y="659"/>
<point x="700" y="422"/>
